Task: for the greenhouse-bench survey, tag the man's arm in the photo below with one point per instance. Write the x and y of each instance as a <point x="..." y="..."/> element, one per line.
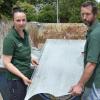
<point x="10" y="67"/>
<point x="88" y="71"/>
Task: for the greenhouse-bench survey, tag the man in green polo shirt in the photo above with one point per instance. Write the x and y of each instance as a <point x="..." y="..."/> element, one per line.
<point x="90" y="78"/>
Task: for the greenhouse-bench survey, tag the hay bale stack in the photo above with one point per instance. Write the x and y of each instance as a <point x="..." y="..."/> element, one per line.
<point x="57" y="31"/>
<point x="39" y="32"/>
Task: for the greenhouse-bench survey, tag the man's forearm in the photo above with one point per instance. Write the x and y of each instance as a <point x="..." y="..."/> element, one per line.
<point x="88" y="71"/>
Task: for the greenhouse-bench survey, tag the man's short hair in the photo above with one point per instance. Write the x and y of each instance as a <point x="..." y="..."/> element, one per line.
<point x="92" y="4"/>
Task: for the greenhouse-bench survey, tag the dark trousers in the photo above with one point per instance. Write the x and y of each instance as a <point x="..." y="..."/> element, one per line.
<point x="77" y="98"/>
<point x="17" y="89"/>
<point x="4" y="86"/>
<point x="43" y="97"/>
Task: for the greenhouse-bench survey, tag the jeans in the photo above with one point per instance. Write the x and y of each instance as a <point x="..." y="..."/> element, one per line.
<point x="17" y="89"/>
<point x="91" y="93"/>
<point x="4" y="86"/>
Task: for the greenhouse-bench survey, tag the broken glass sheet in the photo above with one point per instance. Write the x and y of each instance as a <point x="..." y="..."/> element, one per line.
<point x="60" y="67"/>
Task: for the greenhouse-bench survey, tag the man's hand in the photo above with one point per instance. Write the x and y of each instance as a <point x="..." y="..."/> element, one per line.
<point x="76" y="90"/>
<point x="88" y="71"/>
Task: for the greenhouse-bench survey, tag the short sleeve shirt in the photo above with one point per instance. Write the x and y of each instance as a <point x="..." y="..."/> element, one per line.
<point x="92" y="52"/>
<point x="19" y="49"/>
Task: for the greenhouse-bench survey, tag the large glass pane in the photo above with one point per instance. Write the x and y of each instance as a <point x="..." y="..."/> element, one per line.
<point x="60" y="67"/>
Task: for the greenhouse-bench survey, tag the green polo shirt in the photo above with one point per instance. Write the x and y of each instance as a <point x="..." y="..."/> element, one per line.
<point x="19" y="49"/>
<point x="92" y="52"/>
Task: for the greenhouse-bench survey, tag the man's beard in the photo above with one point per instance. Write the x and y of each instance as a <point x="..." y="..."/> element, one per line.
<point x="88" y="23"/>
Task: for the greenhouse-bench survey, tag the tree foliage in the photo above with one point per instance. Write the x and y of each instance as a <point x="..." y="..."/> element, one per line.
<point x="6" y="6"/>
<point x="29" y="10"/>
<point x="69" y="11"/>
<point x="47" y="14"/>
<point x="1" y="1"/>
